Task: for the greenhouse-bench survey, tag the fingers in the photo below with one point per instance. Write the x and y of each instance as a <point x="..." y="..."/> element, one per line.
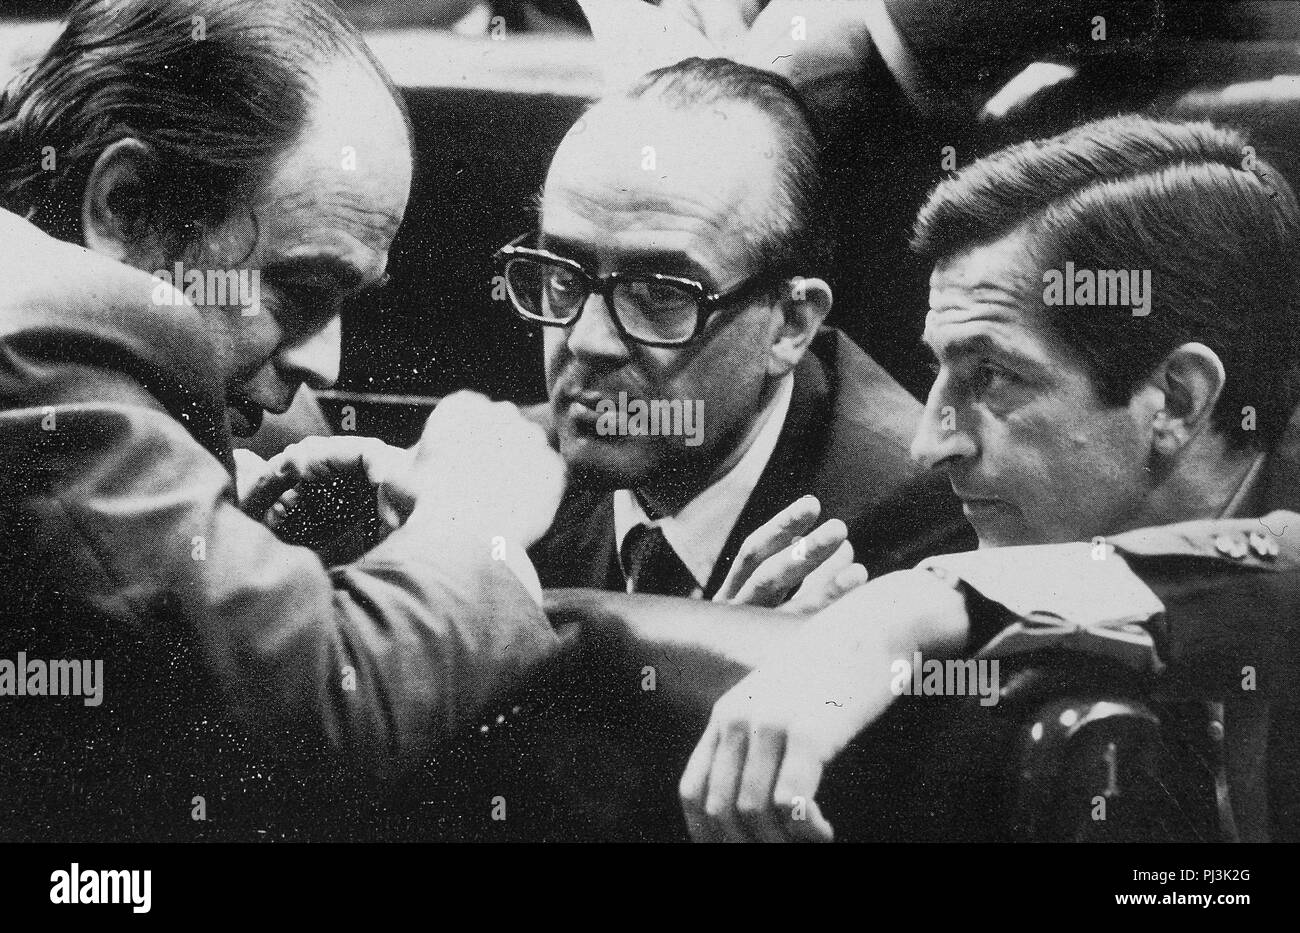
<point x="724" y="778"/>
<point x="800" y="776"/>
<point x="287" y="502"/>
<point x="746" y="783"/>
<point x="315" y="458"/>
<point x="270" y="487"/>
<point x="848" y="579"/>
<point x="755" y="804"/>
<point x="787" y="569"/>
<point x="693" y="788"/>
<point x="776" y="534"/>
<point x="709" y="783"/>
<point x="827" y="583"/>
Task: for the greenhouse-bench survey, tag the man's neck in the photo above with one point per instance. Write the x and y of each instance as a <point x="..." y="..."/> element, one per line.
<point x="1202" y="485"/>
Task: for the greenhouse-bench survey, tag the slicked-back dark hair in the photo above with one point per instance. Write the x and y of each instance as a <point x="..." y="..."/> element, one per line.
<point x="216" y="88"/>
<point x="790" y="237"/>
<point x="1216" y="225"/>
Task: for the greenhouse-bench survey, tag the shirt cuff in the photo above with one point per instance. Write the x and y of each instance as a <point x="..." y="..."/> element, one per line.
<point x="1081" y="597"/>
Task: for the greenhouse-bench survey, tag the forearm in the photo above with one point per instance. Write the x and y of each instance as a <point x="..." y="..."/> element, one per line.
<point x="847" y="655"/>
<point x="899" y="613"/>
<point x="376" y="660"/>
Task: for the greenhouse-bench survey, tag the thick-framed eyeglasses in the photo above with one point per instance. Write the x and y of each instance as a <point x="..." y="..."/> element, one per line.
<point x="648" y="308"/>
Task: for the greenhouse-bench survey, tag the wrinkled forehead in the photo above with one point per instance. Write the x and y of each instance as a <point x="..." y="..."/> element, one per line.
<point x="348" y="175"/>
<point x="626" y="165"/>
<point x="988" y="298"/>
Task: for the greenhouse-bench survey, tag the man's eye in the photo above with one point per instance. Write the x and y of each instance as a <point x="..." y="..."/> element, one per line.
<point x="561" y="281"/>
<point x="657" y="295"/>
<point x="309" y="305"/>
<point x="990" y="376"/>
<point x="303" y="294"/>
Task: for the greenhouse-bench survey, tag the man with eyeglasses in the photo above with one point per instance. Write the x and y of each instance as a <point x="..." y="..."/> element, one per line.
<point x="677" y="269"/>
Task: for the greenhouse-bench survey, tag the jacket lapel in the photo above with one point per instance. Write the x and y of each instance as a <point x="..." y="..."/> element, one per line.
<point x="787" y="474"/>
<point x="579" y="549"/>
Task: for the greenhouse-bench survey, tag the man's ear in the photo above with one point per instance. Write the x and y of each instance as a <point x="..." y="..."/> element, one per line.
<point x="1191" y="379"/>
<point x="804" y="304"/>
<point x="113" y="214"/>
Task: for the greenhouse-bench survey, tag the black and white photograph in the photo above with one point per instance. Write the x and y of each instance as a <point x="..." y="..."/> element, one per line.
<point x="618" y="421"/>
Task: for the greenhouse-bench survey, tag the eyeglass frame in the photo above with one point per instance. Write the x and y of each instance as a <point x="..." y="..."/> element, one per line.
<point x="708" y="303"/>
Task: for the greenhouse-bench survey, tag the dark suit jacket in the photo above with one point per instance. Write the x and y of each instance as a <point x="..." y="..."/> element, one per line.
<point x="224" y="650"/>
<point x="845" y="441"/>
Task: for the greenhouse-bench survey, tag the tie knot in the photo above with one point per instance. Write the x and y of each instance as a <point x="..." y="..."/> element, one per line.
<point x="652" y="566"/>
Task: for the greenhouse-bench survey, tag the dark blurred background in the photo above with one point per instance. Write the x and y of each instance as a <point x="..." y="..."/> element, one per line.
<point x="488" y="115"/>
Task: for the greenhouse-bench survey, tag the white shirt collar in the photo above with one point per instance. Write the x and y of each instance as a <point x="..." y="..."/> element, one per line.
<point x="699" y="530"/>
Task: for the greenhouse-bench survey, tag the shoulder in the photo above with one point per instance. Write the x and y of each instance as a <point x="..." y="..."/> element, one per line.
<point x="79" y="328"/>
<point x="864" y="398"/>
<point x="867" y="421"/>
<point x="1270" y="543"/>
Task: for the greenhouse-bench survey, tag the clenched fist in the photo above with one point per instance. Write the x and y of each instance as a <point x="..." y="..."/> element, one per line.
<point x="482" y="467"/>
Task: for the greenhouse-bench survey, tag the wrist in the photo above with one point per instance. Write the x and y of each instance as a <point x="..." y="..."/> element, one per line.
<point x="906" y="610"/>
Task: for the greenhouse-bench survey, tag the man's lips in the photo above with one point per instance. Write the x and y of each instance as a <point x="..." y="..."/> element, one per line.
<point x="980" y="503"/>
<point x="247" y="414"/>
<point x="581" y="405"/>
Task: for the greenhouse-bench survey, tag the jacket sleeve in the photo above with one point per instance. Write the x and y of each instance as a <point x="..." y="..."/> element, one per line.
<point x="1211" y="605"/>
<point x="119" y="510"/>
<point x="375" y="660"/>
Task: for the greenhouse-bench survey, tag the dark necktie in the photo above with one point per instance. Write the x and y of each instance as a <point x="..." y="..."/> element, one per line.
<point x="652" y="566"/>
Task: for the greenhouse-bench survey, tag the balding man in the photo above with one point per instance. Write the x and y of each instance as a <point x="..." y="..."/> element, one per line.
<point x="678" y="273"/>
<point x="207" y="142"/>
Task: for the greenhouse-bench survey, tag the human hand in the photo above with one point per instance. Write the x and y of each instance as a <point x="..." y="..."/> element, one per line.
<point x="482" y="467"/>
<point x="756" y="770"/>
<point x="784" y="554"/>
<point x="315" y="461"/>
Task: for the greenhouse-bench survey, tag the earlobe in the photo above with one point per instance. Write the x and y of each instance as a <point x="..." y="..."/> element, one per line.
<point x="1192" y="379"/>
<point x="110" y="207"/>
<point x="803" y="306"/>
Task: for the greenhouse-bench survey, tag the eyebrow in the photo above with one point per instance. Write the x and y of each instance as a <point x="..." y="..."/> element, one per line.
<point x="569" y="249"/>
<point x="665" y="262"/>
<point x="975" y="344"/>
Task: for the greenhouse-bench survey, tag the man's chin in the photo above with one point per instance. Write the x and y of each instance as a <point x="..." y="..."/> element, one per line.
<point x="998" y="525"/>
<point x="244" y="419"/>
<point x="606" y="463"/>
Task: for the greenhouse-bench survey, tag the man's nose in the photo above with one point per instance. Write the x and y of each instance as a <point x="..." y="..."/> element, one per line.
<point x="941" y="437"/>
<point x="314" y="359"/>
<point x="595" y="334"/>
